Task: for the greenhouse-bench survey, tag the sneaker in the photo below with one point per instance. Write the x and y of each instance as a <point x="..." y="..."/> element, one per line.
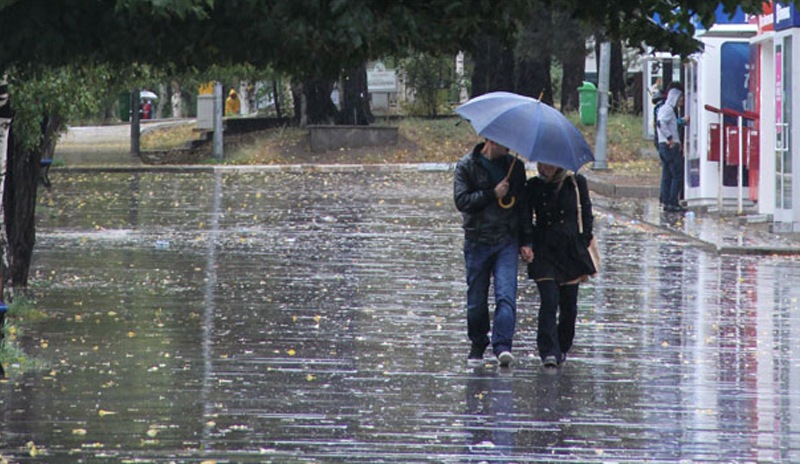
<point x="563" y="358"/>
<point x="550" y="361"/>
<point x="505" y="358"/>
<point x="476" y="353"/>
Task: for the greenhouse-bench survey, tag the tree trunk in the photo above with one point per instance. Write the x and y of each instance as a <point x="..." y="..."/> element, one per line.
<point x="6" y="117"/>
<point x="313" y="104"/>
<point x="574" y="73"/>
<point x="532" y="59"/>
<point x="533" y="79"/>
<point x="494" y="67"/>
<point x="276" y="98"/>
<point x="616" y="82"/>
<point x="19" y="200"/>
<point x="572" y="55"/>
<point x="355" y="99"/>
<point x="135" y="123"/>
<point x="176" y="100"/>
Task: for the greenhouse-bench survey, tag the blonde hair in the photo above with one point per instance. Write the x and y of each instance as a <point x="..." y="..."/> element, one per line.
<point x="558" y="177"/>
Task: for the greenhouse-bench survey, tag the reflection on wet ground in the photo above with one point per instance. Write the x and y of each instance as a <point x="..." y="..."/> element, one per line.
<point x="318" y="317"/>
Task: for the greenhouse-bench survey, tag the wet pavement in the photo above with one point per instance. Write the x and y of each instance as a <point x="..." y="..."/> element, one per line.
<point x="309" y="315"/>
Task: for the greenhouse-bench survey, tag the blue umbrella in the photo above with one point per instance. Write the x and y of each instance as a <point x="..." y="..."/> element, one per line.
<point x="529" y="127"/>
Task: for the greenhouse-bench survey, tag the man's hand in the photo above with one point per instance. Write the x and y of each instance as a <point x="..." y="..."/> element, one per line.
<point x="501" y="189"/>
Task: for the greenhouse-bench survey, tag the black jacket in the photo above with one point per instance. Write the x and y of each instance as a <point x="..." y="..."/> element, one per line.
<point x="484" y="220"/>
<point x="559" y="249"/>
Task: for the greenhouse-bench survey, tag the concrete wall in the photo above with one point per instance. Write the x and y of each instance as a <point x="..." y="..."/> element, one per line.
<point x="324" y="138"/>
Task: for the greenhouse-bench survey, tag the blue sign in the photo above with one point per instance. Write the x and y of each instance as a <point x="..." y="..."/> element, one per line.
<point x="786" y="17"/>
<point x="720" y="17"/>
<point x="738" y="16"/>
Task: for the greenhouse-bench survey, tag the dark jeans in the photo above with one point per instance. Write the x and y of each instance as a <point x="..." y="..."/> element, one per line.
<point x="557" y="316"/>
<point x="671" y="173"/>
<point x="485" y="261"/>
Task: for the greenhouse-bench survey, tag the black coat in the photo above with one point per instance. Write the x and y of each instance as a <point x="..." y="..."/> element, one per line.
<point x="559" y="249"/>
<point x="484" y="220"/>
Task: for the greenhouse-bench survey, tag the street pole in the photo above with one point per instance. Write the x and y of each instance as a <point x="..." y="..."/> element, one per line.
<point x="218" y="152"/>
<point x="135" y="123"/>
<point x="601" y="139"/>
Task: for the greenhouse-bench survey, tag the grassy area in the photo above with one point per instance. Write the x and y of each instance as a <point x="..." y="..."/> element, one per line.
<point x="12" y="358"/>
<point x="168" y="137"/>
<point x="420" y="140"/>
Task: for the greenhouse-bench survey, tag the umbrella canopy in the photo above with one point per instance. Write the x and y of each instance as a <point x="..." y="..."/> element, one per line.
<point x="529" y="127"/>
<point x="148" y="95"/>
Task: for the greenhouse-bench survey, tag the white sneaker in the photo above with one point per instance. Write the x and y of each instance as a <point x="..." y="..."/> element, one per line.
<point x="505" y="358"/>
<point x="550" y="362"/>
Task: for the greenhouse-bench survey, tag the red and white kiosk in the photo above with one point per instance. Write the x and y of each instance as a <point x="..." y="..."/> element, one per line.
<point x="721" y="139"/>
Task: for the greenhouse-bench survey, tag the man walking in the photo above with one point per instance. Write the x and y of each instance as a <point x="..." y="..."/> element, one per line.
<point x="489" y="189"/>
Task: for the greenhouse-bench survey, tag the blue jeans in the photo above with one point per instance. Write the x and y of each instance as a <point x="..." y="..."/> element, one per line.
<point x="671" y="173"/>
<point x="485" y="261"/>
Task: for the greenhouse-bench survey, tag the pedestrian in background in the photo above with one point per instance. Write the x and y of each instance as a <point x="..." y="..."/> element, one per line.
<point x="560" y="208"/>
<point x="670" y="150"/>
<point x="489" y="191"/>
<point x="232" y="104"/>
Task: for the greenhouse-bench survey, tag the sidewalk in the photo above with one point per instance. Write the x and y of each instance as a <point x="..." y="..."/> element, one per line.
<point x="724" y="233"/>
<point x="621" y="194"/>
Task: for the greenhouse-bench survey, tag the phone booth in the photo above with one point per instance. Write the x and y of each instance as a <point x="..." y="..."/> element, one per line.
<point x="658" y="69"/>
<point x="762" y="99"/>
<point x="717" y="91"/>
<point x="786" y="47"/>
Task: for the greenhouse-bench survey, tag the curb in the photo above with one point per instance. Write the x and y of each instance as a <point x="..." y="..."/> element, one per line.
<point x="612" y="190"/>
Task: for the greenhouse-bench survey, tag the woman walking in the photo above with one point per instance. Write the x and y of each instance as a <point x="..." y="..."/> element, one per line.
<point x="562" y="230"/>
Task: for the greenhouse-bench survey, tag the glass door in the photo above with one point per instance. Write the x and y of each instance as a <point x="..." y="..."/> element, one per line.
<point x="783" y="118"/>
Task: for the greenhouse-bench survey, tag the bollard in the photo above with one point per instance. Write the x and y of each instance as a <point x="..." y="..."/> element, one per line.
<point x="44" y="175"/>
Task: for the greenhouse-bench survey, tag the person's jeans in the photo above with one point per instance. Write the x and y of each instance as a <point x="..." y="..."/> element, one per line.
<point x="557" y="316"/>
<point x="671" y="173"/>
<point x="483" y="262"/>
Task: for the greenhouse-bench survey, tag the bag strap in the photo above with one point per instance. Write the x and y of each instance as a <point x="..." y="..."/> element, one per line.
<point x="580" y="213"/>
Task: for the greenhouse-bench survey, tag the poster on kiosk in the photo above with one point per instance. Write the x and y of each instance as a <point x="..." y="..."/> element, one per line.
<point x="722" y="118"/>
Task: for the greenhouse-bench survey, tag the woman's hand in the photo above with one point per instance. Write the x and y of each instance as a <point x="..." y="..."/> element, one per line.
<point x="527" y="254"/>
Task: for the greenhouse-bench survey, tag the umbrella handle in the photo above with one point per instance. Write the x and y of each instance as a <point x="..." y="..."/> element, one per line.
<point x="511" y="168"/>
<point x="508" y="205"/>
<point x="508" y="175"/>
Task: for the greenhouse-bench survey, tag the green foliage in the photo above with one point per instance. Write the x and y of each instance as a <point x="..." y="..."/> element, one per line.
<point x="59" y="93"/>
<point x="631" y="20"/>
<point x="431" y="77"/>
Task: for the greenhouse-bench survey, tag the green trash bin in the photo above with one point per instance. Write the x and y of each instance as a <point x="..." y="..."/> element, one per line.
<point x="587" y="97"/>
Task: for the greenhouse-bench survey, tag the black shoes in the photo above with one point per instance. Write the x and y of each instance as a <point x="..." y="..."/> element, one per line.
<point x="550" y="362"/>
<point x="674" y="209"/>
<point x="476" y="353"/>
